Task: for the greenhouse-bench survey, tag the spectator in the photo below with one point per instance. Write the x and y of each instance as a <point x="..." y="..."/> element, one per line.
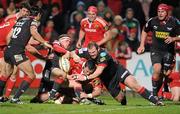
<point x="123" y="51"/>
<point x="49" y="33"/>
<point x="119" y="32"/>
<point x="77" y="20"/>
<point x="58" y="19"/>
<point x="11" y="8"/>
<point x="134" y="29"/>
<point x="2" y="13"/>
<point x="80" y="8"/>
<point x="72" y="32"/>
<point x="101" y="8"/>
<point x="137" y="9"/>
<point x="108" y="16"/>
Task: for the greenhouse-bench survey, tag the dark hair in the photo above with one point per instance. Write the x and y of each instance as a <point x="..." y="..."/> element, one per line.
<point x="91" y="65"/>
<point x="92" y="44"/>
<point x="35" y="10"/>
<point x="25" y="5"/>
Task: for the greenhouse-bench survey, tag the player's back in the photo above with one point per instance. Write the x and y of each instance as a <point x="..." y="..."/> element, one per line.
<point x="21" y="32"/>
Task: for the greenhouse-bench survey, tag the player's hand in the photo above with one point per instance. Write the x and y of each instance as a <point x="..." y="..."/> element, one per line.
<point x="73" y="76"/>
<point x="81" y="77"/>
<point x="169" y="40"/>
<point x="78" y="45"/>
<point x="140" y="50"/>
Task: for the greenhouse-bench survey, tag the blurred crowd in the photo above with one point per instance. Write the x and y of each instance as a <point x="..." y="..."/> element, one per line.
<point x="126" y="19"/>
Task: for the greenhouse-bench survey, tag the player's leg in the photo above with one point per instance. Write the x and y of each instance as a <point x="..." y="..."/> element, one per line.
<point x="45" y="81"/>
<point x="115" y="90"/>
<point x="132" y="83"/>
<point x="156" y="78"/>
<point x="156" y="59"/>
<point x="10" y="83"/>
<point x="176" y="94"/>
<point x="58" y="80"/>
<point x="4" y="75"/>
<point x="27" y="68"/>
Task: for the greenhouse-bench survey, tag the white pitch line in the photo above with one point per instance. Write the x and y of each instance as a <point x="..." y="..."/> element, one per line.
<point x="101" y="110"/>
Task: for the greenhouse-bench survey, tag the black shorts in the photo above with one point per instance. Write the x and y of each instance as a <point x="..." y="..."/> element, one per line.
<point x="120" y="76"/>
<point x="157" y="56"/>
<point x="14" y="58"/>
<point x="55" y="62"/>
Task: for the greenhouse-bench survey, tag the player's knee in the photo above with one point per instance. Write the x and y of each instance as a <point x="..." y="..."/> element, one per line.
<point x="176" y="98"/>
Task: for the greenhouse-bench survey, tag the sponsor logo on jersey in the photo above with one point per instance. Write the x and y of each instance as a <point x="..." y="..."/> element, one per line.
<point x="161" y="35"/>
<point x="102" y="59"/>
<point x="90" y="30"/>
<point x="102" y="54"/>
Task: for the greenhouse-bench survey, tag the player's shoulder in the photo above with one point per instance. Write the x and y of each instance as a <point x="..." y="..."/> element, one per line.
<point x="101" y="21"/>
<point x="103" y="54"/>
<point x="174" y="19"/>
<point x="84" y="20"/>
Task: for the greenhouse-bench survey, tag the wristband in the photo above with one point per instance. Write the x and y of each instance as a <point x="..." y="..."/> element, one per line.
<point x="89" y="96"/>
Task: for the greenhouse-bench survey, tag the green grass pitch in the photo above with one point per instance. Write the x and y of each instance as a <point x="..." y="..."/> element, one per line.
<point x="136" y="105"/>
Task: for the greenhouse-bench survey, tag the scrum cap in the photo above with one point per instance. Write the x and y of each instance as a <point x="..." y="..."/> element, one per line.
<point x="92" y="9"/>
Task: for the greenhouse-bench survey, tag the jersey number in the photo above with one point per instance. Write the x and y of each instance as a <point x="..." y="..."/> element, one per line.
<point x="16" y="31"/>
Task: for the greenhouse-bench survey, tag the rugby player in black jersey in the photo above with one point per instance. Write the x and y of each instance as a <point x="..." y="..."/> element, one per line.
<point x="111" y="73"/>
<point x="166" y="30"/>
<point x="24" y="29"/>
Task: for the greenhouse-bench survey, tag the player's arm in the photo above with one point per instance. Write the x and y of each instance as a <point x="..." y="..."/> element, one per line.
<point x="146" y="29"/>
<point x="35" y="52"/>
<point x="38" y="37"/>
<point x="8" y="37"/>
<point x="58" y="48"/>
<point x="81" y="36"/>
<point x="96" y="92"/>
<point x="107" y="37"/>
<point x="143" y="38"/>
<point x="96" y="73"/>
<point x="170" y="39"/>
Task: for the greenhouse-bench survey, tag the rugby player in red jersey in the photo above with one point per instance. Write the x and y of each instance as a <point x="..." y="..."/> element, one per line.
<point x="93" y="28"/>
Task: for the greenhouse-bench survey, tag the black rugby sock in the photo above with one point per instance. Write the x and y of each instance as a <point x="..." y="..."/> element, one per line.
<point x="147" y="95"/>
<point x="2" y="85"/>
<point x="155" y="86"/>
<point x="54" y="90"/>
<point x="23" y="87"/>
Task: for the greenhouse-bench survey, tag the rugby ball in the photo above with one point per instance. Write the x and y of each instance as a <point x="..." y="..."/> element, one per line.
<point x="64" y="64"/>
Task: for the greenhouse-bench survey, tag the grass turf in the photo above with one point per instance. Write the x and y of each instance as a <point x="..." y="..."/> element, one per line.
<point x="135" y="105"/>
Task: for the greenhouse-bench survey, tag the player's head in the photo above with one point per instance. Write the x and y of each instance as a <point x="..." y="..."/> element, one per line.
<point x="89" y="67"/>
<point x="162" y="11"/>
<point x="25" y="9"/>
<point x="93" y="50"/>
<point x="118" y="20"/>
<point x="92" y="13"/>
<point x="36" y="12"/>
<point x="168" y="62"/>
<point x="65" y="41"/>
